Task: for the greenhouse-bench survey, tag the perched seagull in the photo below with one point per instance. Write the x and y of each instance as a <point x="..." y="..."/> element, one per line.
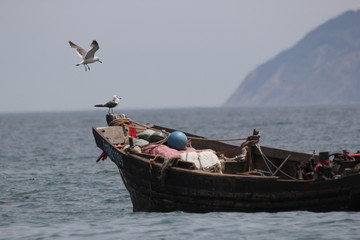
<point x="110" y="104"/>
<point x="88" y="57"/>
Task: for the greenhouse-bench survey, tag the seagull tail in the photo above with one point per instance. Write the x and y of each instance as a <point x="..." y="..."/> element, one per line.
<point x="99" y="105"/>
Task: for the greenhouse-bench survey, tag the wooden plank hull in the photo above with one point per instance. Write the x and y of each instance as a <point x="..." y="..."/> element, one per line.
<point x="153" y="187"/>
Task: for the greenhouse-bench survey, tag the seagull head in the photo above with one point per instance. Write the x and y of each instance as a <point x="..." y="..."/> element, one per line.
<point x="115" y="97"/>
<point x="97" y="59"/>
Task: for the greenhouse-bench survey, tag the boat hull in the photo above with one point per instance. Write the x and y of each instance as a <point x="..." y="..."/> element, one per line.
<point x="155" y="187"/>
<point x="182" y="191"/>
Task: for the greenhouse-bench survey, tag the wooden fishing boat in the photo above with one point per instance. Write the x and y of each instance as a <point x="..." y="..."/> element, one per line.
<point x="252" y="178"/>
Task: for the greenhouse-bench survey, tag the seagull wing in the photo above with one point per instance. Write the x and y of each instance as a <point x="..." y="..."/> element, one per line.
<point x="110" y="104"/>
<point x="94" y="47"/>
<point x="81" y="52"/>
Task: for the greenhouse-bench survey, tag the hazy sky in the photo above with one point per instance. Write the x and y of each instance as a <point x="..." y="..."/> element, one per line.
<point x="156" y="54"/>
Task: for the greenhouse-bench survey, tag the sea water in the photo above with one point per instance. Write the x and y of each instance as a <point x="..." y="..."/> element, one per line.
<point x="52" y="188"/>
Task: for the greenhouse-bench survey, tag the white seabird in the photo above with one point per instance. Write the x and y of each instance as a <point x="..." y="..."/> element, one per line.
<point x="87" y="56"/>
<point x="110" y="104"/>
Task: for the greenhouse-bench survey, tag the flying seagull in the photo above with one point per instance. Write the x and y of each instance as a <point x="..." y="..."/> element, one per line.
<point x="110" y="104"/>
<point x="87" y="56"/>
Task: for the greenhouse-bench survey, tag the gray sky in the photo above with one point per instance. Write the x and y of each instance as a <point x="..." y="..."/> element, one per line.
<point x="156" y="54"/>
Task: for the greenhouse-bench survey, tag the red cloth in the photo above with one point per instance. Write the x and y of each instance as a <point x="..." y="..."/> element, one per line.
<point x="164" y="150"/>
<point x="102" y="156"/>
<point x="354" y="154"/>
<point x="321" y="163"/>
<point x="317" y="167"/>
<point x="325" y="161"/>
<point x="132" y="131"/>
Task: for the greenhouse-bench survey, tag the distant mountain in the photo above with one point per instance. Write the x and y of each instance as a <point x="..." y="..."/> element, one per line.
<point x="323" y="68"/>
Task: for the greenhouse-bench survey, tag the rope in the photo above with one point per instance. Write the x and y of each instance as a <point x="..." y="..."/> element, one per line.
<point x="244" y="144"/>
<point x="154" y="144"/>
<point x="168" y="162"/>
<point x="130" y="126"/>
<point x="117" y="122"/>
<point x="193" y="138"/>
<point x="282" y="164"/>
<point x="266" y="159"/>
<point x="217" y="140"/>
<point x="142" y="125"/>
<point x="189" y="137"/>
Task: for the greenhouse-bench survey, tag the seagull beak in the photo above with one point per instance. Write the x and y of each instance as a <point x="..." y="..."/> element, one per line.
<point x="100" y="61"/>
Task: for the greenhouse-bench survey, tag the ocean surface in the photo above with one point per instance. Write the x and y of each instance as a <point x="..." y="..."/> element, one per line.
<point x="52" y="188"/>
